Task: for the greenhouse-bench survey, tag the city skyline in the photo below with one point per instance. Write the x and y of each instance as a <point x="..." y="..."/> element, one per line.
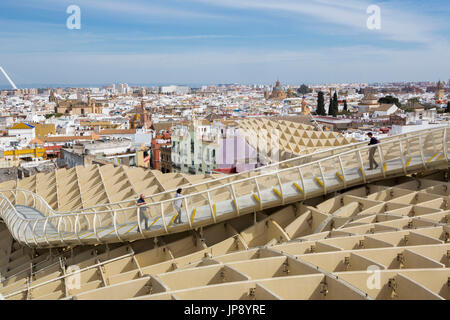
<point x="225" y="41"/>
<point x="200" y="85"/>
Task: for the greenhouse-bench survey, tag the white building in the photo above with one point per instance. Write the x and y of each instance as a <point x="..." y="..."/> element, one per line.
<point x="420" y="115"/>
<point x="34" y="117"/>
<point x="136" y="136"/>
<point x="123" y="88"/>
<point x="180" y="90"/>
<point x="205" y="147"/>
<point x="420" y="125"/>
<point x="23" y="131"/>
<point x="385" y="110"/>
<point x="5" y="122"/>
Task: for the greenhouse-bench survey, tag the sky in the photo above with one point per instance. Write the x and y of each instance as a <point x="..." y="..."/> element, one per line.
<point x="223" y="41"/>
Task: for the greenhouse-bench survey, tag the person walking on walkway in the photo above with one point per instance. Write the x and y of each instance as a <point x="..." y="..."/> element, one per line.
<point x="142" y="211"/>
<point x="373" y="141"/>
<point x="177" y="205"/>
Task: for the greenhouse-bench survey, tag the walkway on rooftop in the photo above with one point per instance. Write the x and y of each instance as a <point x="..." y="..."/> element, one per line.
<point x="33" y="222"/>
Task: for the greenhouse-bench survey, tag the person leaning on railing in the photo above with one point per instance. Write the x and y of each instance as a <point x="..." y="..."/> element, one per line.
<point x="142" y="211"/>
<point x="373" y="141"/>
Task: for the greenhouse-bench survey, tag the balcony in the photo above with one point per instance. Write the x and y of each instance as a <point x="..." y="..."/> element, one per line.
<point x="209" y="138"/>
<point x="176" y="166"/>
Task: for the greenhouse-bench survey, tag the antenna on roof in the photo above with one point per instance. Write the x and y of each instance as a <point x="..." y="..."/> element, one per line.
<point x="8" y="78"/>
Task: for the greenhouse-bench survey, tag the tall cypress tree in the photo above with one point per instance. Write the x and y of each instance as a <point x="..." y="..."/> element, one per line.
<point x="330" y="106"/>
<point x="320" y="104"/>
<point x="345" y="105"/>
<point x="448" y="107"/>
<point x="334" y="105"/>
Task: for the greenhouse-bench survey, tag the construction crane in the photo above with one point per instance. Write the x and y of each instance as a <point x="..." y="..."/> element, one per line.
<point x="8" y="78"/>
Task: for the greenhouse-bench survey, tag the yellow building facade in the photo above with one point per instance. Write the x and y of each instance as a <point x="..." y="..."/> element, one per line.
<point x="24" y="153"/>
<point x="44" y="130"/>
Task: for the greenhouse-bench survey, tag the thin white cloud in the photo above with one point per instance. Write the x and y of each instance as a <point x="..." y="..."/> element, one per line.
<point x="120" y="8"/>
<point x="398" y="23"/>
<point x="199" y="37"/>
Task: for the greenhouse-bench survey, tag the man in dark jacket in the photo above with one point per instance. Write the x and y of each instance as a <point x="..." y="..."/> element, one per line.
<point x="373" y="141"/>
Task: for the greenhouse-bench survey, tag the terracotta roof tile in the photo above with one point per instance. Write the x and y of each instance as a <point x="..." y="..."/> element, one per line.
<point x="69" y="138"/>
<point x="117" y="131"/>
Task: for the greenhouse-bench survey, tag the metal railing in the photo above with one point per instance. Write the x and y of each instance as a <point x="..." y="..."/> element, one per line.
<point x="256" y="171"/>
<point x="269" y="186"/>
